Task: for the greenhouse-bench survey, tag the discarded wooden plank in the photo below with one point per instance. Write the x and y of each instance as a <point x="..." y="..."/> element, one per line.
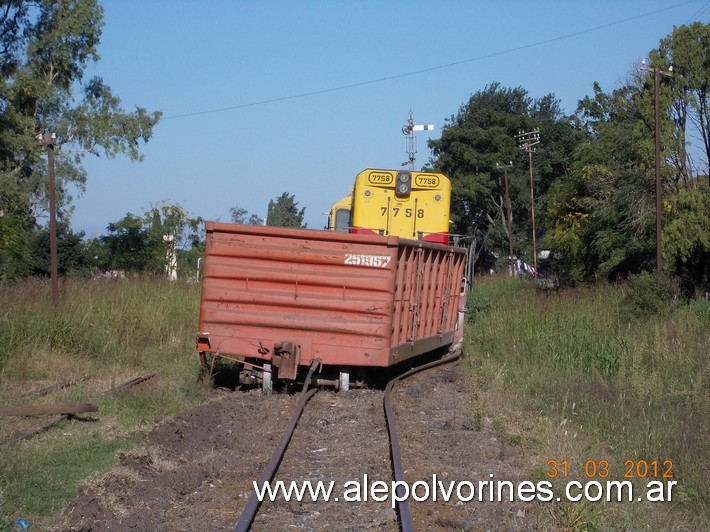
<point x="45" y="410"/>
<point x="64" y="413"/>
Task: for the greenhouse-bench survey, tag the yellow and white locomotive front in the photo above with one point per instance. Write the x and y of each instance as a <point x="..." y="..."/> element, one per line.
<point x="402" y="203"/>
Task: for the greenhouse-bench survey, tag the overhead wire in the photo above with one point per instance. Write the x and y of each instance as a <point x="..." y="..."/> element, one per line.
<point x="700" y="13"/>
<point x="433" y="68"/>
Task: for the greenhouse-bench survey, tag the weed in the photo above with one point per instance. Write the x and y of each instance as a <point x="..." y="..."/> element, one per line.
<point x="580" y="375"/>
<point x="649" y="294"/>
<point x="112" y="331"/>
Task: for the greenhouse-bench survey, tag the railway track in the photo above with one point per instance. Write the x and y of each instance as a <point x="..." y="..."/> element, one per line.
<point x="195" y="471"/>
<point x="380" y="460"/>
<point x="63" y="413"/>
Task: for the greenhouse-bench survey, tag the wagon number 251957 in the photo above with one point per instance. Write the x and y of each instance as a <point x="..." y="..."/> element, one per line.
<point x="375" y="261"/>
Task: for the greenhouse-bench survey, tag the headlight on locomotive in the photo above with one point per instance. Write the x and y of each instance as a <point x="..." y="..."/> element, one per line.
<point x="404" y="183"/>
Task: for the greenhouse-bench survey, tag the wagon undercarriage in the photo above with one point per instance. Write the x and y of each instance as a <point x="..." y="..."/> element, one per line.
<point x="255" y="372"/>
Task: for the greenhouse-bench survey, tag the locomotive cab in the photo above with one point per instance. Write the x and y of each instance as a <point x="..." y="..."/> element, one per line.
<point x="339" y="217"/>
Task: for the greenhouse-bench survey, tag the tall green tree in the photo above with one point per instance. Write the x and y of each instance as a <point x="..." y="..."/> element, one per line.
<point x="284" y="212"/>
<point x="687" y="50"/>
<point x="174" y="232"/>
<point x="686" y="239"/>
<point x="126" y="247"/>
<point x="72" y="252"/>
<point x="602" y="220"/>
<point x="146" y="244"/>
<point x="45" y="47"/>
<point x="482" y="134"/>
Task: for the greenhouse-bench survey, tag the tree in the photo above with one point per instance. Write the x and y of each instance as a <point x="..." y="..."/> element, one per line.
<point x="284" y="212"/>
<point x="603" y="220"/>
<point x="15" y="254"/>
<point x="72" y="252"/>
<point x="239" y="216"/>
<point x="483" y="134"/>
<point x="174" y="233"/>
<point x="126" y="247"/>
<point x="687" y="49"/>
<point x="45" y="46"/>
<point x="146" y="244"/>
<point x="686" y="240"/>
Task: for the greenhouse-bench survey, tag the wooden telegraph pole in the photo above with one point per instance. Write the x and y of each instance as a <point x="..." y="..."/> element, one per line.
<point x="656" y="89"/>
<point x="49" y="139"/>
<point x="527" y="141"/>
<point x="509" y="214"/>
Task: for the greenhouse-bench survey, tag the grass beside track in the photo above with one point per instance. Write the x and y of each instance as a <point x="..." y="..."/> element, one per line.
<point x="568" y="376"/>
<point x="112" y="331"/>
<point x="589" y="374"/>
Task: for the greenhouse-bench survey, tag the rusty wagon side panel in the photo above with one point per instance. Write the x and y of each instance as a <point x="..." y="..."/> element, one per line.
<point x="348" y="300"/>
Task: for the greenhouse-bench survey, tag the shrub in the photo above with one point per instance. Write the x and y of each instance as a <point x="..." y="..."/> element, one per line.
<point x="650" y="294"/>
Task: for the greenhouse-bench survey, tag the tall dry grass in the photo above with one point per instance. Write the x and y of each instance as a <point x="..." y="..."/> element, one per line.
<point x="583" y="375"/>
<point x="111" y="331"/>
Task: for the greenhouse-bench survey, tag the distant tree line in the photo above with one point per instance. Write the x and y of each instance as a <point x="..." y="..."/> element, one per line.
<point x="593" y="171"/>
<point x="142" y="244"/>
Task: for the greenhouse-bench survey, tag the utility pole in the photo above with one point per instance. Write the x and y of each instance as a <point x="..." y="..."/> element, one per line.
<point x="509" y="213"/>
<point x="49" y="139"/>
<point x="408" y="129"/>
<point x="527" y="141"/>
<point x="656" y="90"/>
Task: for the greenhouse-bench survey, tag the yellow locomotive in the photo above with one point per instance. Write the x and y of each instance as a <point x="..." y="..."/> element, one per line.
<point x="340" y="214"/>
<point x="413" y="205"/>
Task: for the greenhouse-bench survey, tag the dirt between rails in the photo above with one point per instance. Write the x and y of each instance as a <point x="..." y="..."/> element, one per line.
<point x="444" y="439"/>
<point x="195" y="471"/>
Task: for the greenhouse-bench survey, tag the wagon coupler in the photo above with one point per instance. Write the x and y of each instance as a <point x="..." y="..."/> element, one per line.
<point x="286" y="357"/>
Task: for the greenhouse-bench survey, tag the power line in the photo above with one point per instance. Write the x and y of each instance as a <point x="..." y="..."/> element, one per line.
<point x="430" y="69"/>
<point x="700" y="13"/>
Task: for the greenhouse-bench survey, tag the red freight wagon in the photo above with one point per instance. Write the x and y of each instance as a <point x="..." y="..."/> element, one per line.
<point x="278" y="300"/>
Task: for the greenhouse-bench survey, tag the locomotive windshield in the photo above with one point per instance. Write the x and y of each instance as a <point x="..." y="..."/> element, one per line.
<point x="342" y="220"/>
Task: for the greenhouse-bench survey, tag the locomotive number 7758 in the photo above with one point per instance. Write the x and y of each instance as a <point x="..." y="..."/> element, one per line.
<point x="407" y="212"/>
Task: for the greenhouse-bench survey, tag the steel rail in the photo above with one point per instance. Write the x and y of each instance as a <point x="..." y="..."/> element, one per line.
<point x="252" y="506"/>
<point x="133" y="382"/>
<point x="405" y="517"/>
<point x="57" y="386"/>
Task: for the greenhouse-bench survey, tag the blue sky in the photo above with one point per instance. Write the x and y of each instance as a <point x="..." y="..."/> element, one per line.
<point x="339" y="79"/>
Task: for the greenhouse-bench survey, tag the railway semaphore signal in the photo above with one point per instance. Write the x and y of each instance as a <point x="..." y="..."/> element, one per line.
<point x="408" y="129"/>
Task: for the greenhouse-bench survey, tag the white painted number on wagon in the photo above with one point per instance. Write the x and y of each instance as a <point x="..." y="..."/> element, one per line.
<point x="375" y="261"/>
